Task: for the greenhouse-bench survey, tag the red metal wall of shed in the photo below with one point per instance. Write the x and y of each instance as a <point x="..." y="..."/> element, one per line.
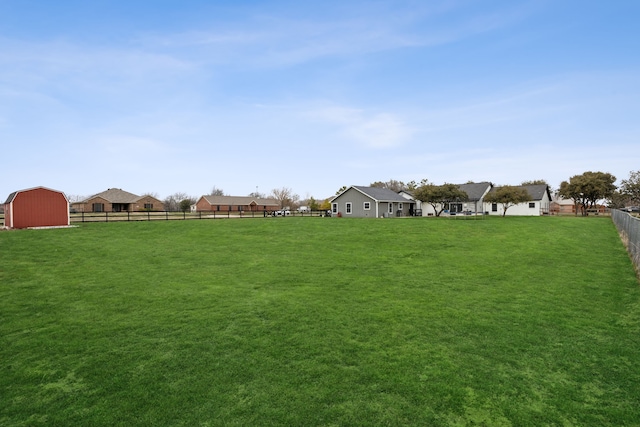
<point x="39" y="207"/>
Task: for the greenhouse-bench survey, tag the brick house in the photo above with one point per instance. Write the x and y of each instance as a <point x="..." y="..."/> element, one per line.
<point x="118" y="200"/>
<point x="236" y="204"/>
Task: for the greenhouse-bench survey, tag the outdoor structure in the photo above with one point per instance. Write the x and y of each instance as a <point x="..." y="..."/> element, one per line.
<point x="475" y="192"/>
<point x="373" y="202"/>
<point x="417" y="208"/>
<point x="561" y="206"/>
<point x="540" y="203"/>
<point x="236" y="204"/>
<point x="118" y="200"/>
<point x="473" y="205"/>
<point x="36" y="207"/>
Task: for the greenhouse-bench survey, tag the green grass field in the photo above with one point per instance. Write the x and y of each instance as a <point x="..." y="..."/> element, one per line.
<point x="319" y="321"/>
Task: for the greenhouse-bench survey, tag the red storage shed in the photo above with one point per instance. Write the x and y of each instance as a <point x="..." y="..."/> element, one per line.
<point x="36" y="207"/>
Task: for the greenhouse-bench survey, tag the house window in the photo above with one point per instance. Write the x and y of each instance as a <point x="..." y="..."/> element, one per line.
<point x="494" y="207"/>
<point x="366" y="206"/>
<point x="347" y="207"/>
<point x="218" y="207"/>
<point x="334" y="208"/>
<point x="239" y="208"/>
<point x="148" y="206"/>
<point x="532" y="205"/>
<point x="98" y="207"/>
<point x="399" y="206"/>
<point x="390" y="207"/>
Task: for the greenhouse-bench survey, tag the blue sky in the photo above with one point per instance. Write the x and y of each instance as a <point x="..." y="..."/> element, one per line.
<point x="181" y="96"/>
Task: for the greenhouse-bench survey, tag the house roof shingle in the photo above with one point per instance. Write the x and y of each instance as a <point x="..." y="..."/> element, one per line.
<point x="380" y="194"/>
<point x="536" y="191"/>
<point x="475" y="190"/>
<point x="115" y="195"/>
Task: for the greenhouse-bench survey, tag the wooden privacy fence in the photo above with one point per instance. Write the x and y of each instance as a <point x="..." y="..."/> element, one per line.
<point x="629" y="228"/>
<point x="79" y="217"/>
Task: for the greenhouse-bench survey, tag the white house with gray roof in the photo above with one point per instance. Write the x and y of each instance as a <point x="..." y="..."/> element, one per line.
<point x="474" y="203"/>
<point x="539" y="204"/>
<point x="371" y="202"/>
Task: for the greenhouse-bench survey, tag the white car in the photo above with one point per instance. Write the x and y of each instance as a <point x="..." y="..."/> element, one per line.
<point x="282" y="213"/>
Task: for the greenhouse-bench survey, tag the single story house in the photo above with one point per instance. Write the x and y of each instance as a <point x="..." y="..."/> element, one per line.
<point x="539" y="204"/>
<point x="36" y="207"/>
<point x="236" y="204"/>
<point x="118" y="200"/>
<point x="562" y="206"/>
<point x="474" y="204"/>
<point x="417" y="209"/>
<point x="372" y="202"/>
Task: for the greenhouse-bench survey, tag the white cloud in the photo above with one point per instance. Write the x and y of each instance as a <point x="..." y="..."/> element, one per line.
<point x="371" y="130"/>
<point x="272" y="39"/>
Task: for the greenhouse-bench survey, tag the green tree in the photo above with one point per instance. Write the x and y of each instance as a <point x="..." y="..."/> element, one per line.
<point x="439" y="195"/>
<point x="586" y="189"/>
<point x="185" y="205"/>
<point x="313" y="204"/>
<point x="631" y="187"/>
<point x="507" y="196"/>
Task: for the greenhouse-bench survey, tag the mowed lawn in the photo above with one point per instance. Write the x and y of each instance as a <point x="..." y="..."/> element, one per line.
<point x="320" y="321"/>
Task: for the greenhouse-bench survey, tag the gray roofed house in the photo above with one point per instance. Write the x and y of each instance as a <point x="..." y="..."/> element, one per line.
<point x="475" y="193"/>
<point x="373" y="202"/>
<point x="539" y="204"/>
<point x="475" y="190"/>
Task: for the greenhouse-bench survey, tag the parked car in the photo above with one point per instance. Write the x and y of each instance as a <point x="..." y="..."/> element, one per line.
<point x="633" y="209"/>
<point x="282" y="212"/>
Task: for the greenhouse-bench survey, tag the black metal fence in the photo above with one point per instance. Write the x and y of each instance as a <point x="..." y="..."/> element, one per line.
<point x="80" y="217"/>
<point x="629" y="228"/>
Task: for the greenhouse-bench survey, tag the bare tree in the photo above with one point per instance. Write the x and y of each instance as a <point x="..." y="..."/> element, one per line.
<point x="217" y="191"/>
<point x="172" y="202"/>
<point x="74" y="198"/>
<point x="392" y="185"/>
<point x="284" y="196"/>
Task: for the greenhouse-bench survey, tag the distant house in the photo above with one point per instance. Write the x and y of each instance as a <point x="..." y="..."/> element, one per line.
<point x="236" y="204"/>
<point x="474" y="204"/>
<point x="475" y="193"/>
<point x="561" y="206"/>
<point x="539" y="204"/>
<point x="36" y="207"/>
<point x="118" y="200"/>
<point x="372" y="202"/>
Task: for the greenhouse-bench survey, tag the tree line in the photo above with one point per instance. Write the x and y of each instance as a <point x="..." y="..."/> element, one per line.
<point x="586" y="190"/>
<point x="285" y="197"/>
